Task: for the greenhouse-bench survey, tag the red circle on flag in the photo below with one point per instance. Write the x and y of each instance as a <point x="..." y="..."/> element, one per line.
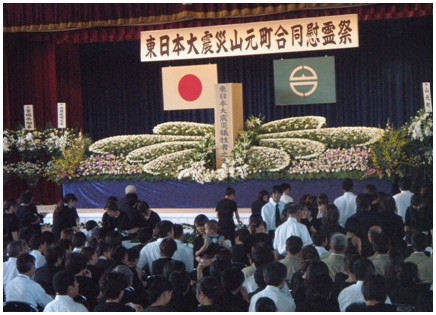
<point x="190" y="87"/>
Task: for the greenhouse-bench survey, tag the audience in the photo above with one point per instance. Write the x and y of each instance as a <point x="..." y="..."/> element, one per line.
<point x="99" y="270"/>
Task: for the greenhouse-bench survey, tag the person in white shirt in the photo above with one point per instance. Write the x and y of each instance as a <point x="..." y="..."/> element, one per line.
<point x="276" y="289"/>
<point x="363" y="268"/>
<point x="151" y="251"/>
<point x="67" y="288"/>
<point x="22" y="288"/>
<point x="346" y="203"/>
<point x="292" y="227"/>
<point x="183" y="253"/>
<point x="39" y="246"/>
<point x="402" y="199"/>
<point x="271" y="212"/>
<point x="286" y="193"/>
<point x="13" y="250"/>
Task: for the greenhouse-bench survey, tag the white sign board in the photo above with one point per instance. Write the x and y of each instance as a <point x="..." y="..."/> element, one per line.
<point x="62" y="115"/>
<point x="268" y="37"/>
<point x="29" y="119"/>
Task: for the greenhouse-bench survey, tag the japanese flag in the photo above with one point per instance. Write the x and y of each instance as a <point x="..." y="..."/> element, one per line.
<point x="189" y="87"/>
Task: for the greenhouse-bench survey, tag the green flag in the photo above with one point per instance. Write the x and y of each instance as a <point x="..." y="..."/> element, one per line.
<point x="305" y="81"/>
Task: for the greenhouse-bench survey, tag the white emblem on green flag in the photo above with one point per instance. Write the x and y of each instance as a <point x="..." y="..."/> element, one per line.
<point x="305" y="81"/>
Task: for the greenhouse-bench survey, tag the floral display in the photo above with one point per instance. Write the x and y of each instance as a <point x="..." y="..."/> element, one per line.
<point x="291" y="148"/>
<point x="183" y="128"/>
<point x="149" y="153"/>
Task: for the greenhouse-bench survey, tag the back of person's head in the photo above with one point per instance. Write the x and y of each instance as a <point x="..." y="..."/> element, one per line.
<point x="416" y="200"/>
<point x="254" y="221"/>
<point x="130" y="189"/>
<point x="315" y="268"/>
<point x="285" y="186"/>
<point x="113" y="239"/>
<point x="322" y="199"/>
<point x="232" y="279"/>
<point x="371" y="190"/>
<point x="118" y="254"/>
<point x="374" y="232"/>
<point x="294" y="244"/>
<point x="347" y="184"/>
<point x="331" y="215"/>
<point x="126" y="271"/>
<point x="387" y="204"/>
<point x="163" y="228"/>
<point x="79" y="239"/>
<point x="419" y="242"/>
<point x="229" y="191"/>
<point x="261" y="254"/>
<point x="180" y="280"/>
<point x="144" y="234"/>
<point x="363" y="202"/>
<point x="26" y="197"/>
<point x="349" y="261"/>
<point x="405" y="183"/>
<point x="132" y="254"/>
<point x="258" y="278"/>
<point x="111" y="205"/>
<point x="277" y="189"/>
<point x="274" y="273"/>
<point x="88" y="251"/>
<point x="381" y="244"/>
<point x="62" y="280"/>
<point x="53" y="253"/>
<point x="112" y="284"/>
<point x="200" y="220"/>
<point x="320" y="286"/>
<point x="374" y="288"/>
<point x="142" y="206"/>
<point x="25" y="233"/>
<point x="319" y="238"/>
<point x="65" y="244"/>
<point x="218" y="266"/>
<point x="265" y="304"/>
<point x="167" y="247"/>
<point x="210" y="287"/>
<point x="406" y="274"/>
<point x="25" y="263"/>
<point x="67" y="234"/>
<point x="90" y="225"/>
<point x="308" y="254"/>
<point x="15" y="248"/>
<point x="103" y="247"/>
<point x="242" y="234"/>
<point x="338" y="243"/>
<point x="173" y="265"/>
<point x="178" y="231"/>
<point x="363" y="268"/>
<point x="48" y="238"/>
<point x="293" y="208"/>
<point x="76" y="262"/>
<point x="261" y="194"/>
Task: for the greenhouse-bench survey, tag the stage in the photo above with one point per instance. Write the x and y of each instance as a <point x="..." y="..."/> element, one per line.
<point x="180" y="195"/>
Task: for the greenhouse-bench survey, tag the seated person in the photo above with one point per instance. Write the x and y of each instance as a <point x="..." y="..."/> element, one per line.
<point x="167" y="249"/>
<point x="375" y="293"/>
<point x="160" y="293"/>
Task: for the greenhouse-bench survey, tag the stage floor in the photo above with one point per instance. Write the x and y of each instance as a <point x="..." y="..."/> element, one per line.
<point x="175" y="215"/>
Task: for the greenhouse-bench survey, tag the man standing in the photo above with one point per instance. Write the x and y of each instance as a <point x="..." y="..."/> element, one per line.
<point x="292" y="227"/>
<point x="402" y="199"/>
<point x="346" y="203"/>
<point x="271" y="212"/>
<point x="286" y="196"/>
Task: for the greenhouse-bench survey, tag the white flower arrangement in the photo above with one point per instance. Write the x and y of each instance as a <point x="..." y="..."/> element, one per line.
<point x="297" y="148"/>
<point x="263" y="159"/>
<point x="170" y="164"/>
<point x="146" y="154"/>
<point x="108" y="164"/>
<point x="294" y="123"/>
<point x="333" y="161"/>
<point x="55" y="140"/>
<point x="25" y="170"/>
<point x="340" y="137"/>
<point x="421" y="126"/>
<point x="183" y="128"/>
<point x="9" y="141"/>
<point x="198" y="172"/>
<point x="125" y="144"/>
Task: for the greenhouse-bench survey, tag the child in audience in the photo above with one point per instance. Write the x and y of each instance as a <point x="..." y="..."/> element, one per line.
<point x="213" y="242"/>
